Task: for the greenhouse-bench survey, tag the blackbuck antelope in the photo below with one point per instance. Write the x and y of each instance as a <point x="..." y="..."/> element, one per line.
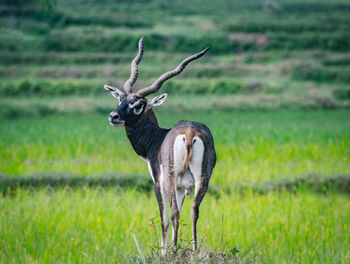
<point x="178" y="158"/>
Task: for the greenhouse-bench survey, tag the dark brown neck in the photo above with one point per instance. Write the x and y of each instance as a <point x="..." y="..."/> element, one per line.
<point x="146" y="136"/>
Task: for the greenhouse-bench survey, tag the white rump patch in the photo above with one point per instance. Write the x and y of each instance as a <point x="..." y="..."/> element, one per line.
<point x="187" y="179"/>
<point x="197" y="159"/>
<point x="179" y="153"/>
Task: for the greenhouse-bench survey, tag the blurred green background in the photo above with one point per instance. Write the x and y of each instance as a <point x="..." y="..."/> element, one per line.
<point x="274" y="89"/>
<point x="263" y="54"/>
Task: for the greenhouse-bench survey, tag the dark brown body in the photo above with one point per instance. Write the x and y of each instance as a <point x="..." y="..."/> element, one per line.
<point x="178" y="159"/>
<point x="187" y="159"/>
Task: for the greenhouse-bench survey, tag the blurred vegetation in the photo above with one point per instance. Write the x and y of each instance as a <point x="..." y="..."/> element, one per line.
<point x="177" y="26"/>
<point x="281" y="53"/>
<point x="143" y="183"/>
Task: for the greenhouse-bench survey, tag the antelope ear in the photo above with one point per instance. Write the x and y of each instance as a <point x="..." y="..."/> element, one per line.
<point x="158" y="100"/>
<point x="114" y="91"/>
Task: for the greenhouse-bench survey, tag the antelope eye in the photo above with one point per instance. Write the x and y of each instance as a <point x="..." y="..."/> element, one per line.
<point x="138" y="107"/>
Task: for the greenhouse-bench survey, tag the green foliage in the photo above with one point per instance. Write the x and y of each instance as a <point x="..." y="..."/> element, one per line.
<point x="110" y="21"/>
<point x="252" y="52"/>
<point x="337" y="62"/>
<point x="30" y="88"/>
<point x="217" y="88"/>
<point x="15" y="111"/>
<point x="142" y="183"/>
<point x="330" y="41"/>
<point x="342" y="94"/>
<point x="40" y="58"/>
<point x="38" y="13"/>
<point x="17" y="3"/>
<point x="126" y="42"/>
<point x="84" y="88"/>
<point x="60" y="180"/>
<point x="34" y="88"/>
<point x="261" y="58"/>
<point x="47" y="4"/>
<point x="285" y="29"/>
<point x="14" y="41"/>
<point x="178" y="43"/>
<point x="320" y="74"/>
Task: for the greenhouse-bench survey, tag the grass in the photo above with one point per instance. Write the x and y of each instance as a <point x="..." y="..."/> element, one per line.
<point x="83" y="225"/>
<point x="259" y="146"/>
<point x="94" y="225"/>
<point x="142" y="182"/>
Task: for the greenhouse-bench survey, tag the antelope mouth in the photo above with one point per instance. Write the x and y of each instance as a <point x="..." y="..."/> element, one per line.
<point x="116" y="122"/>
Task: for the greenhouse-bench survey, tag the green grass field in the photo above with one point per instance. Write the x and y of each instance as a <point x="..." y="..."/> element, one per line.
<point x="251" y="146"/>
<point x="91" y="225"/>
<point x="274" y="89"/>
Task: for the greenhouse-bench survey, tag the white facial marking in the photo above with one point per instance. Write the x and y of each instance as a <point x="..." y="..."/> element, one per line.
<point x="138" y="111"/>
<point x="134" y="104"/>
<point x="120" y="124"/>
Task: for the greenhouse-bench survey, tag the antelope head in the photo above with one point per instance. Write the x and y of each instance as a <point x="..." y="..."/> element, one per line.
<point x="132" y="105"/>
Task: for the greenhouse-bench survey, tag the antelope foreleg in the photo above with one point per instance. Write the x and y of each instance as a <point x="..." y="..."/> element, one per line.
<point x="162" y="203"/>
